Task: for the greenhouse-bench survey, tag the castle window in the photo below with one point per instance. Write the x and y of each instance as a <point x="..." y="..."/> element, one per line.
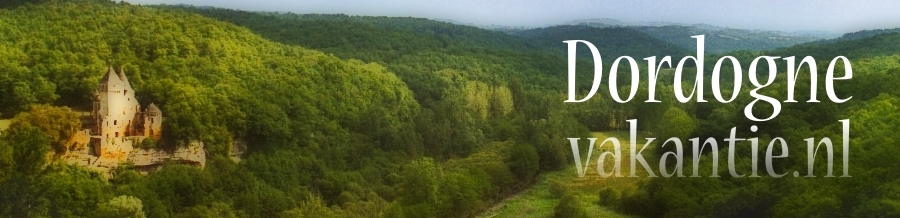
<point x="126" y="92"/>
<point x="117" y="134"/>
<point x="115" y="122"/>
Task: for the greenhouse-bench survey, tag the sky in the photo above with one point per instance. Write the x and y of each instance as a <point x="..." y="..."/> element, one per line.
<point x="836" y="16"/>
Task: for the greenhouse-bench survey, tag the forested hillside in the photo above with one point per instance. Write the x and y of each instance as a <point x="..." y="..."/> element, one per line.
<point x="876" y="45"/>
<point x="442" y="124"/>
<point x="383" y="39"/>
<point x="859" y="35"/>
<point x="611" y="42"/>
<point x="722" y="40"/>
<point x="718" y="39"/>
<point x="875" y="64"/>
<point x="416" y="49"/>
<point x="348" y="116"/>
<point x="871" y="191"/>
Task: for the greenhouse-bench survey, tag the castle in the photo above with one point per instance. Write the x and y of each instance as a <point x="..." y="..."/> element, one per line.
<point x="117" y="117"/>
<point x="117" y="128"/>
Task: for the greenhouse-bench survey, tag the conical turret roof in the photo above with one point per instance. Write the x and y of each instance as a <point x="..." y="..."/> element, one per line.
<point x="106" y="77"/>
<point x="152" y="108"/>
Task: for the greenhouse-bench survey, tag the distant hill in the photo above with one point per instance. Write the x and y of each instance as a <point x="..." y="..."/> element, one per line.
<point x="859" y="35"/>
<point x="388" y="39"/>
<point x="411" y="46"/>
<point x="611" y="42"/>
<point x="368" y="38"/>
<point x="724" y="40"/>
<point x="852" y="45"/>
<point x="718" y="39"/>
<point x="609" y="22"/>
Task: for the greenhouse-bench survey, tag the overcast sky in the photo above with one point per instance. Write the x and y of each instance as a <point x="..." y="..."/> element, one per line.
<point x="838" y="16"/>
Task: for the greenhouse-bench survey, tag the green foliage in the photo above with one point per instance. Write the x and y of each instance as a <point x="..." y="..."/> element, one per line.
<point x="610" y="42"/>
<point x="724" y="40"/>
<point x="436" y="120"/>
<point x="865" y="47"/>
<point x="121" y="206"/>
<point x="524" y="162"/>
<point x="29" y="147"/>
<point x="19" y="87"/>
<point x="609" y="196"/>
<point x="314" y="207"/>
<point x="558" y="188"/>
<point x="420" y="188"/>
<point x="638" y="203"/>
<point x="57" y="122"/>
<point x="569" y="207"/>
<point x="213" y="210"/>
<point x="70" y="191"/>
<point x="675" y="123"/>
<point x="148" y="143"/>
<point x="872" y="113"/>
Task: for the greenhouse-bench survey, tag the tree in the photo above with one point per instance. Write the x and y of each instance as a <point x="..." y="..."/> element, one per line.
<point x="569" y="207"/>
<point x="59" y="123"/>
<point x="419" y="190"/>
<point x="214" y="210"/>
<point x="609" y="196"/>
<point x="29" y="148"/>
<point x="67" y="190"/>
<point x="7" y="163"/>
<point x="524" y="162"/>
<point x="675" y="123"/>
<point x="314" y="207"/>
<point x="123" y="206"/>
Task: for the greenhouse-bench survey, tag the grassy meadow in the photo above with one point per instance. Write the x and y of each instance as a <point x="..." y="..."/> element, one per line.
<point x="541" y="199"/>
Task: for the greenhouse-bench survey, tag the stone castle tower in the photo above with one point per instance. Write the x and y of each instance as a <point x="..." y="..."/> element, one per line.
<point x="117" y="128"/>
<point x="117" y="115"/>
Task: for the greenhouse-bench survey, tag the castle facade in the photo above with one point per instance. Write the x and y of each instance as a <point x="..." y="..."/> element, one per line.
<point x="117" y="118"/>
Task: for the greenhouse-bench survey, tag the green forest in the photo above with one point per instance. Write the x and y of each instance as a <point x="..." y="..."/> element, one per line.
<point x="353" y="116"/>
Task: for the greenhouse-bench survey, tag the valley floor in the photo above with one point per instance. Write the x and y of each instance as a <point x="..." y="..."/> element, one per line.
<point x="539" y="200"/>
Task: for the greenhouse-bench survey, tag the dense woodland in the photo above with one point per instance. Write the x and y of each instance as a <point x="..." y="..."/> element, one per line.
<point x="722" y="40"/>
<point x="610" y="42"/>
<point x="719" y="39"/>
<point x="349" y="116"/>
<point x="445" y="129"/>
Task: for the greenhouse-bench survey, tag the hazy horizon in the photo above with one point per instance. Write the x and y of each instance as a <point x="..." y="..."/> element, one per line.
<point x="839" y="16"/>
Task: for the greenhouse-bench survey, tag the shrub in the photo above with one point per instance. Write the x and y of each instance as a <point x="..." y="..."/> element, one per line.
<point x="636" y="203"/>
<point x="570" y="207"/>
<point x="609" y="196"/>
<point x="557" y="188"/>
<point x="148" y="143"/>
<point x="524" y="163"/>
